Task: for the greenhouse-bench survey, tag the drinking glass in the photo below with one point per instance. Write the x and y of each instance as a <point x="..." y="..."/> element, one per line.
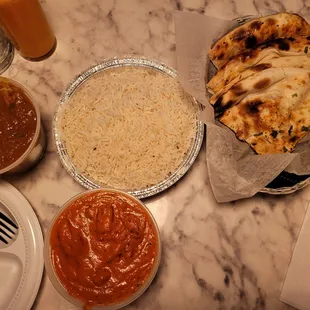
<point x="6" y="52"/>
<point x="26" y="25"/>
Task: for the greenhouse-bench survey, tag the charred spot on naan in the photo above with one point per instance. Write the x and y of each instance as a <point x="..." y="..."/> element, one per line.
<point x="261" y="67"/>
<point x="247" y="36"/>
<point x="281" y="44"/>
<point x="221" y="56"/>
<point x="263" y="83"/>
<point x="252" y="107"/>
<point x="238" y="90"/>
<point x="220" y="107"/>
<point x="251" y="41"/>
<point x="271" y="21"/>
<point x="256" y="25"/>
<point x="296" y="44"/>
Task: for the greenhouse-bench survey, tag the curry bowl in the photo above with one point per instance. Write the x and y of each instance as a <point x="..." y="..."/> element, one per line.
<point x="102" y="250"/>
<point x="22" y="138"/>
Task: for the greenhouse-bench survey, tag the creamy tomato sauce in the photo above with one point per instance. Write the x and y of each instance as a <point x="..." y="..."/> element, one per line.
<point x="104" y="247"/>
<point x="18" y="122"/>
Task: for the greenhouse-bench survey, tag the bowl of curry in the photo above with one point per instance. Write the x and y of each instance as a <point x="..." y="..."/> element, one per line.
<point x="22" y="138"/>
<point x="102" y="250"/>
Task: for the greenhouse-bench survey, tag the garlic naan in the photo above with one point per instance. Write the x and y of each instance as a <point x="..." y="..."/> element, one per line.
<point x="255" y="32"/>
<point x="292" y="52"/>
<point x="270" y="111"/>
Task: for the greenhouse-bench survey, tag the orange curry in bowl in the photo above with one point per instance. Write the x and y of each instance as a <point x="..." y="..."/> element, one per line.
<point x="104" y="246"/>
<point x="18" y="122"/>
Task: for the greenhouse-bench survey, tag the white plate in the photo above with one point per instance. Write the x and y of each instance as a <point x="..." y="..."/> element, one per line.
<point x="21" y="263"/>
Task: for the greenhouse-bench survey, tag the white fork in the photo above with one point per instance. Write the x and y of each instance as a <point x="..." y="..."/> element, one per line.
<point x="243" y="19"/>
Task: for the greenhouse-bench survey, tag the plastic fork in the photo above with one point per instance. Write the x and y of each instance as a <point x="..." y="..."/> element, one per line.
<point x="7" y="228"/>
<point x="243" y="19"/>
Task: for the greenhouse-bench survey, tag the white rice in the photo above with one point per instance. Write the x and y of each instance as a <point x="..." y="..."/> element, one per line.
<point x="128" y="128"/>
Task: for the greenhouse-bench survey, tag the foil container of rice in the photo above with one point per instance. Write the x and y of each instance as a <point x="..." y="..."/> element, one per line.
<point x="88" y="181"/>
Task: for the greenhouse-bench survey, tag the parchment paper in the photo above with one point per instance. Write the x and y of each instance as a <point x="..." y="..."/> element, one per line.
<point x="295" y="290"/>
<point x="235" y="171"/>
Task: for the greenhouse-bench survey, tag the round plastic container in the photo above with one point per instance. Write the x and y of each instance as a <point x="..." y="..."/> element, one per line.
<point x="37" y="147"/>
<point x="57" y="283"/>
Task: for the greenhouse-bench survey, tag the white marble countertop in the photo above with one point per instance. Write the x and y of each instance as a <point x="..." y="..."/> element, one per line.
<point x="228" y="256"/>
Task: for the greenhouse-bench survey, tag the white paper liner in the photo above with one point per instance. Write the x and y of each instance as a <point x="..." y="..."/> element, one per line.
<point x="235" y="172"/>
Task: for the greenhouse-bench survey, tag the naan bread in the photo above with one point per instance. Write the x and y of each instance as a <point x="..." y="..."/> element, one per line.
<point x="292" y="52"/>
<point x="298" y="61"/>
<point x="270" y="111"/>
<point x="255" y="32"/>
<point x="234" y="92"/>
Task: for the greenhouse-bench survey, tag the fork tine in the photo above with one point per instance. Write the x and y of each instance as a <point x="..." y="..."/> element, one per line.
<point x="7" y="228"/>
<point x="243" y="19"/>
<point x="3" y="240"/>
<point x="6" y="219"/>
<point x="5" y="233"/>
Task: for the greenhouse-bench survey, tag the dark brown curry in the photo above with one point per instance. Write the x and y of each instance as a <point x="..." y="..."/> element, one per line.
<point x="18" y="121"/>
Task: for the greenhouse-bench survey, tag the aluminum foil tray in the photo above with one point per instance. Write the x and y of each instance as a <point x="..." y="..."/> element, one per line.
<point x="89" y="183"/>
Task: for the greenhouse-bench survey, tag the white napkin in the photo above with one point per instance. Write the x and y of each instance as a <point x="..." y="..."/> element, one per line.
<point x="296" y="287"/>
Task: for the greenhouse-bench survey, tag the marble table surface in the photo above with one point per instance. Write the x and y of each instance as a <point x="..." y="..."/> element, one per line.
<point x="216" y="256"/>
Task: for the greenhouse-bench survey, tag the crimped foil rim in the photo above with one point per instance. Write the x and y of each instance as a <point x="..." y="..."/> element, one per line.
<point x="89" y="183"/>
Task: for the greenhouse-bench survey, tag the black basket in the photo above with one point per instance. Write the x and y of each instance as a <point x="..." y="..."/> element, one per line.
<point x="286" y="179"/>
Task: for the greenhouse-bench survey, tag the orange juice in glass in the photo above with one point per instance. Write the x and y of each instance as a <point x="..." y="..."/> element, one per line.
<point x="25" y="24"/>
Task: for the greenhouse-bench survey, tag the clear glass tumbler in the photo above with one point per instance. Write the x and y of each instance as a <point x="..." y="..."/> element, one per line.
<point x="6" y="52"/>
<point x="26" y="25"/>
